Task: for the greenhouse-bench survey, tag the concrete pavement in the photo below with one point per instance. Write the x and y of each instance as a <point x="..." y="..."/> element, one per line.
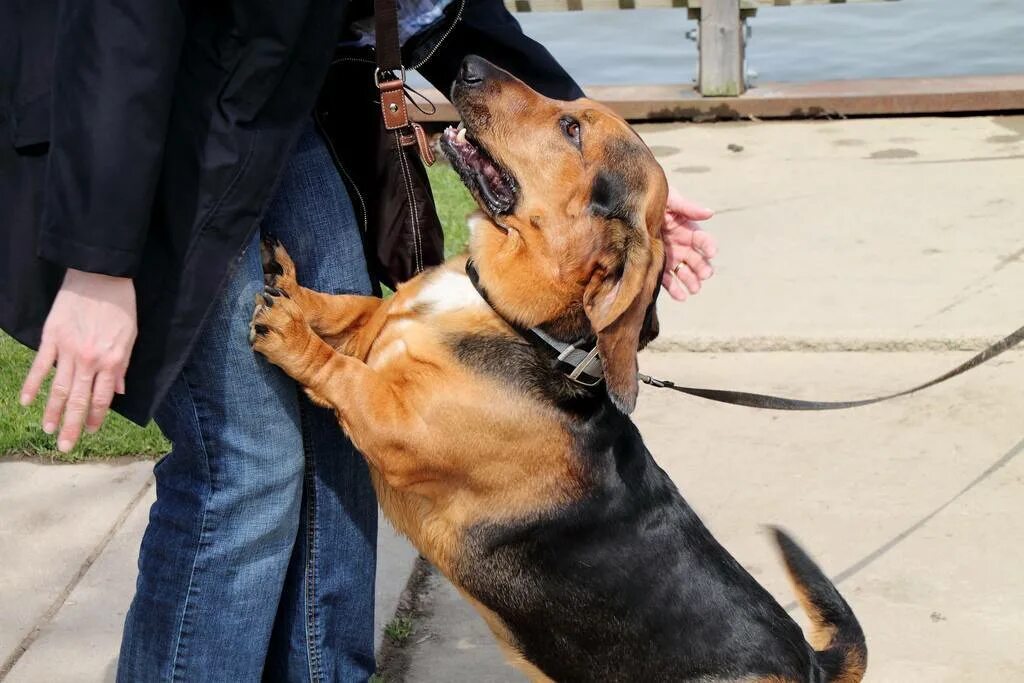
<point x="857" y="257"/>
<point x="871" y="233"/>
<point x="860" y="257"/>
<point x="69" y="539"/>
<point x="915" y="505"/>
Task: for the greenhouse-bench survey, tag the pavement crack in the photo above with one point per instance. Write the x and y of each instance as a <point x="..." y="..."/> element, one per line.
<point x="881" y="550"/>
<point x="396" y="654"/>
<point x="61" y="599"/>
<point x="774" y="344"/>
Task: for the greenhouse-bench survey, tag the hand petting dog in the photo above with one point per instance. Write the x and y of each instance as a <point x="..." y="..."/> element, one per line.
<point x="688" y="249"/>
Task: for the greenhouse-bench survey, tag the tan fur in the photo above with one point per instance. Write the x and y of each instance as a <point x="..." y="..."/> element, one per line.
<point x="449" y="447"/>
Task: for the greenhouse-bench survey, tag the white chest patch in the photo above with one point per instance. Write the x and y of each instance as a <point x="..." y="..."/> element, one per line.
<point x="448" y="291"/>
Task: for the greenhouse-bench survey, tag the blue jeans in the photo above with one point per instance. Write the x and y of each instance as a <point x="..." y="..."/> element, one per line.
<point x="260" y="553"/>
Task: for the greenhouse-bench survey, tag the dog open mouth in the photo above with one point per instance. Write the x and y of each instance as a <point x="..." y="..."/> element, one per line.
<point x="494" y="187"/>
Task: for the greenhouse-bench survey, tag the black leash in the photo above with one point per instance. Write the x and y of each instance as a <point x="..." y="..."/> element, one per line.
<point x="743" y="398"/>
<point x="582" y="361"/>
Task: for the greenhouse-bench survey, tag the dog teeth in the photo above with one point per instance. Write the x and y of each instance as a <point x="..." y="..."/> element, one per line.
<point x="462" y="126"/>
<point x="461" y="136"/>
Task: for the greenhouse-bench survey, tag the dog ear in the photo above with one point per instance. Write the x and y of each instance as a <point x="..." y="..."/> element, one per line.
<point x="619" y="298"/>
<point x="617" y="301"/>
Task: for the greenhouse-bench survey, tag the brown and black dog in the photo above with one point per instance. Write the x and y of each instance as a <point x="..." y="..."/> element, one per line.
<point x="531" y="490"/>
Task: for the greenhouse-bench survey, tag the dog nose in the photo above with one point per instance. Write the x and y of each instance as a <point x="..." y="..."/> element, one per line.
<point x="473" y="71"/>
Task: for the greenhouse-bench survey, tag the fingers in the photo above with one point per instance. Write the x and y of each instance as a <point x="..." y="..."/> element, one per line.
<point x="686" y="275"/>
<point x="705" y="243"/>
<point x="690" y="234"/>
<point x="674" y="288"/>
<point x="77" y="407"/>
<point x="41" y="367"/>
<point x="686" y="208"/>
<point x="694" y="262"/>
<point x="685" y="269"/>
<point x="103" y="388"/>
<point x="60" y="390"/>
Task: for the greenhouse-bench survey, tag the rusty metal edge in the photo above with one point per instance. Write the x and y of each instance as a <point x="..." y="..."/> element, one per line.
<point x="863" y="97"/>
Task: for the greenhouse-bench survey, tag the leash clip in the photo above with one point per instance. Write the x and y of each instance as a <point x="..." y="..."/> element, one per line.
<point x="654" y="381"/>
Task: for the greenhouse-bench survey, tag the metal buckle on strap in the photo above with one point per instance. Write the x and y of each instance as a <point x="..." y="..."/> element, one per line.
<point x="377" y="73"/>
<point x="581" y="369"/>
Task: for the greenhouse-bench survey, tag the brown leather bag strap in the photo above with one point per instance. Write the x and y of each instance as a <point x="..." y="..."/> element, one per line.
<point x="389" y="50"/>
<point x="390" y="78"/>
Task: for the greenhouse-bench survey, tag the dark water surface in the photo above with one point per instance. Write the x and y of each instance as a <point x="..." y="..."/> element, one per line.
<point x="868" y="40"/>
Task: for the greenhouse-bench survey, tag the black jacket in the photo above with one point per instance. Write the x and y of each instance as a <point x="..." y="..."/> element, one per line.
<point x="145" y="139"/>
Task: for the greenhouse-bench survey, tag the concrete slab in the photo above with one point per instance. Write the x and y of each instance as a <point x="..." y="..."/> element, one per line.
<point x="912" y="505"/>
<point x="81" y="642"/>
<point x="395" y="559"/>
<point x="868" y="233"/>
<point x="55" y="519"/>
<point x="454" y="644"/>
<point x="80" y="639"/>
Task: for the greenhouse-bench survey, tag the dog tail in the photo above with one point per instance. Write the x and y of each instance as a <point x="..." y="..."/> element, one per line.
<point x="836" y="635"/>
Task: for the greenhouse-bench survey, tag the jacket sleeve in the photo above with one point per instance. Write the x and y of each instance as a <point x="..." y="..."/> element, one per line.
<point x="489" y="30"/>
<point x="114" y="68"/>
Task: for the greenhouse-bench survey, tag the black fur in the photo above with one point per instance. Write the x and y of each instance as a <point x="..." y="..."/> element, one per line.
<point x="625" y="583"/>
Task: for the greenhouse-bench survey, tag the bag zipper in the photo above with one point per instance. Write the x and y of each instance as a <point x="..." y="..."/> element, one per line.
<point x="429" y="55"/>
<point x="417" y="237"/>
<point x="344" y="172"/>
<point x="444" y="36"/>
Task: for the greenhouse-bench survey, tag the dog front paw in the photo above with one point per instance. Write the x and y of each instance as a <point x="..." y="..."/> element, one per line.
<point x="278" y="329"/>
<point x="278" y="267"/>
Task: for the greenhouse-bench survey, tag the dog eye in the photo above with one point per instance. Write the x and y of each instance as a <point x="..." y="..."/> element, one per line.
<point x="571" y="129"/>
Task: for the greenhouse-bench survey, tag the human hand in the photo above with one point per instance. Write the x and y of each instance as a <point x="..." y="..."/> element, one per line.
<point x="89" y="334"/>
<point x="688" y="249"/>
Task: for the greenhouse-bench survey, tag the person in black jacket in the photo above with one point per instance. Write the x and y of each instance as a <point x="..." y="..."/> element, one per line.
<point x="145" y="147"/>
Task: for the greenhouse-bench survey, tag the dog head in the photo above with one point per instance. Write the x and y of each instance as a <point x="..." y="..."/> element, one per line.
<point x="572" y="206"/>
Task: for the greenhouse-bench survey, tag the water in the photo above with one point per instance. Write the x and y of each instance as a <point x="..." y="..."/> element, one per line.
<point x="871" y="40"/>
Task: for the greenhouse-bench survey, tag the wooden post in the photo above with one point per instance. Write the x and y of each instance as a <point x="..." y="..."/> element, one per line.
<point x="721" y="49"/>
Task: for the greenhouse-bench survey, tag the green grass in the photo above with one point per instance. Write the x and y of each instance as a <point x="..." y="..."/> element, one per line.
<point x="20" y="430"/>
<point x="21" y="433"/>
<point x="454" y="203"/>
<point x="399" y="629"/>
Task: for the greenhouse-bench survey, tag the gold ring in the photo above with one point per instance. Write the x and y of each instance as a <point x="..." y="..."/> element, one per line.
<point x="676" y="269"/>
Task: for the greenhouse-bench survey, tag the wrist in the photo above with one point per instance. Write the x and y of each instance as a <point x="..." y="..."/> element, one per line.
<point x="79" y="277"/>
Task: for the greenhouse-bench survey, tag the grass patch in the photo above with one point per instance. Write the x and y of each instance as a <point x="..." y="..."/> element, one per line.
<point x="399" y="630"/>
<point x="20" y="430"/>
<point x="454" y="203"/>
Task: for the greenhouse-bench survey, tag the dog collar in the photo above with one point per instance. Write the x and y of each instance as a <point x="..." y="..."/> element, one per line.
<point x="580" y="364"/>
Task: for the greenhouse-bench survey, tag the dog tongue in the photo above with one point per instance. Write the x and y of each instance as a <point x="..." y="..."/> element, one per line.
<point x="473" y="158"/>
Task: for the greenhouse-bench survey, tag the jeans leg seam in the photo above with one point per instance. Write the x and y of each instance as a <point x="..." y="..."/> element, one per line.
<point x="202" y="534"/>
<point x="309" y="573"/>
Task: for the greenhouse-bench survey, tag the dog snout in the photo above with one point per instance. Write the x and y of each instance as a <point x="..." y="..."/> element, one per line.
<point x="476" y="71"/>
<point x="473" y="71"/>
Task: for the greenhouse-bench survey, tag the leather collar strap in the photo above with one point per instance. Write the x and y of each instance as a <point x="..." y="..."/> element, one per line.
<point x="768" y="402"/>
<point x="582" y="365"/>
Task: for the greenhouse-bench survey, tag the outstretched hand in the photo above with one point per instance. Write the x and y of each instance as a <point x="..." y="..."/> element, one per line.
<point x="688" y="249"/>
<point x="88" y="335"/>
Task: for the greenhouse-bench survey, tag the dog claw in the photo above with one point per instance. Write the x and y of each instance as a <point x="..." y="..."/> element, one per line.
<point x="271" y="267"/>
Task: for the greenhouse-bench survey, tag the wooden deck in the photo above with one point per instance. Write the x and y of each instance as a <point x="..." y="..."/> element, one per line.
<point x="819" y="99"/>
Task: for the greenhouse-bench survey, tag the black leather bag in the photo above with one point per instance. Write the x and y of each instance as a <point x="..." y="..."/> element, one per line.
<point x="381" y="155"/>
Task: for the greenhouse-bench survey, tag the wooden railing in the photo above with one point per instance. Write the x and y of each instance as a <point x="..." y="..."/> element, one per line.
<point x="721" y="38"/>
